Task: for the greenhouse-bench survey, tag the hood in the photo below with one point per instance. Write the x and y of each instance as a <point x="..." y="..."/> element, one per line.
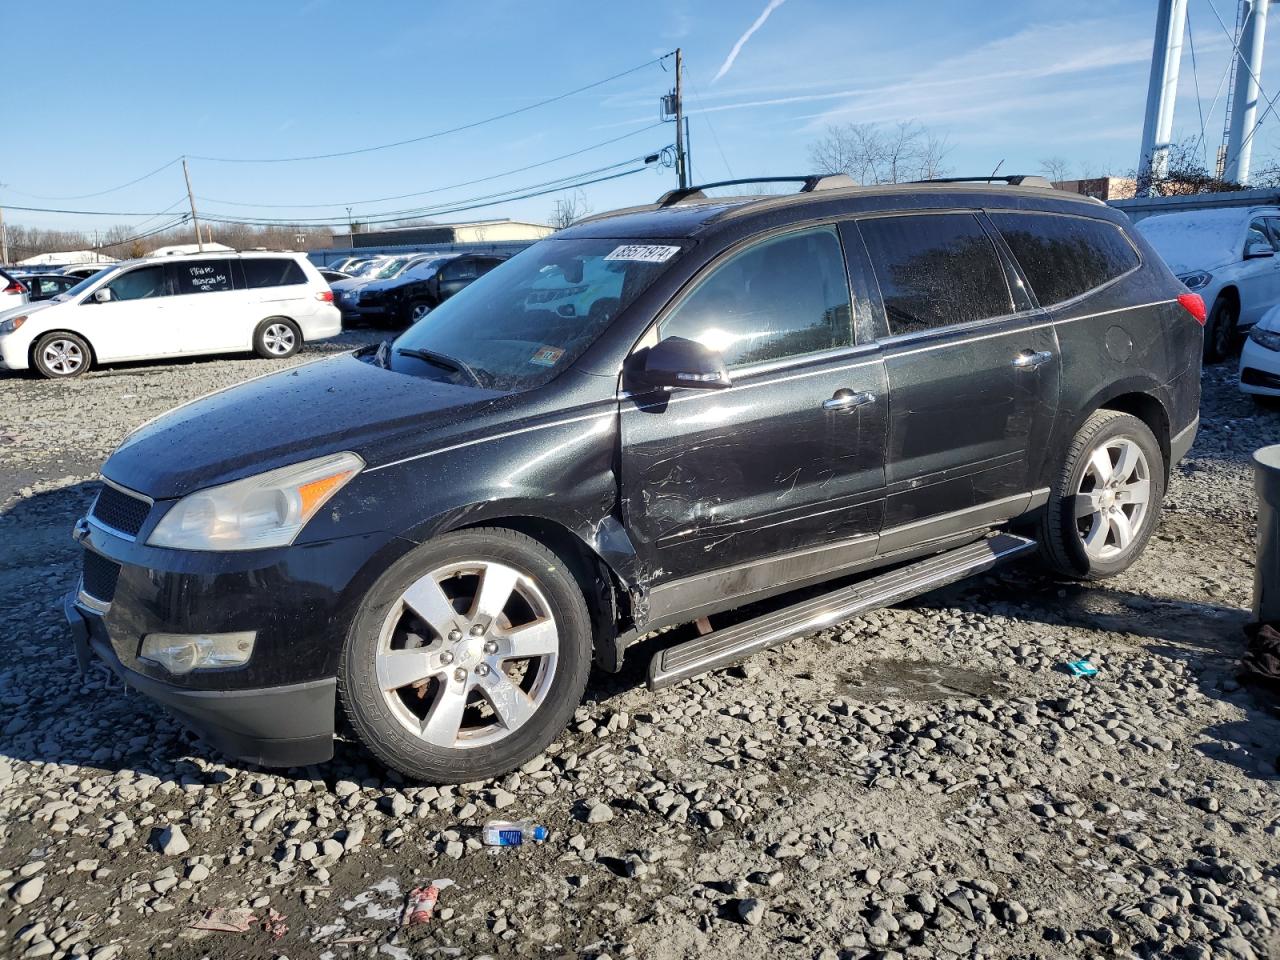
<point x="1198" y="240"/>
<point x="354" y="283"/>
<point x="1270" y="320"/>
<point x="33" y="306"/>
<point x="341" y="403"/>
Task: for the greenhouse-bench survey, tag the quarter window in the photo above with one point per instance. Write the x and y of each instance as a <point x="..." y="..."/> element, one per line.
<point x="935" y="270"/>
<point x="1064" y="257"/>
<point x="203" y="276"/>
<point x="784" y="297"/>
<point x="271" y="272"/>
<point x="139" y="284"/>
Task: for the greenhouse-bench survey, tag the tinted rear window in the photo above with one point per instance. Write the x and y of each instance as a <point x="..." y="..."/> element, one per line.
<point x="935" y="270"/>
<point x="1063" y="257"/>
<point x="272" y="272"/>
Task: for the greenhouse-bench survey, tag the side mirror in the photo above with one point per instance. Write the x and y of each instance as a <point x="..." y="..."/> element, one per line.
<point x="103" y="295"/>
<point x="677" y="362"/>
<point x="1258" y="248"/>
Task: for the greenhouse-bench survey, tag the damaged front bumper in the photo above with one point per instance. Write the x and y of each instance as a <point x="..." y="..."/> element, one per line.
<point x="283" y="726"/>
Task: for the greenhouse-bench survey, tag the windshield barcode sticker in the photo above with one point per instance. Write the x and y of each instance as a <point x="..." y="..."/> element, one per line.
<point x="645" y="252"/>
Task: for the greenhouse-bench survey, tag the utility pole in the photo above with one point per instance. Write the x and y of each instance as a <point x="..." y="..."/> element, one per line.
<point x="681" y="169"/>
<point x="688" y="150"/>
<point x="1157" y="127"/>
<point x="4" y="239"/>
<point x="1244" y="99"/>
<point x="192" y="198"/>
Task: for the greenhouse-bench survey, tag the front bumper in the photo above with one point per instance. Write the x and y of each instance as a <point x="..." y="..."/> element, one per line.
<point x="1259" y="370"/>
<point x="283" y="726"/>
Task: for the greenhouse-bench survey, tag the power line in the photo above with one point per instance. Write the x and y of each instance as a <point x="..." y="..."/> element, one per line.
<point x="438" y="133"/>
<point x="421" y="193"/>
<point x="100" y="193"/>
<point x="462" y="209"/>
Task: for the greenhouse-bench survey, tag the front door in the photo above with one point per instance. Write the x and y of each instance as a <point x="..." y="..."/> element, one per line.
<point x="135" y="322"/>
<point x="779" y="478"/>
<point x="973" y="378"/>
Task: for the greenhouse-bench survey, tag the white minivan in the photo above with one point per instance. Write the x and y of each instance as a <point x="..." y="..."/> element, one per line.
<point x="270" y="303"/>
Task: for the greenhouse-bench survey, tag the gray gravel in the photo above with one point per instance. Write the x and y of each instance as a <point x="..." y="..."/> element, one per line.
<point x="924" y="781"/>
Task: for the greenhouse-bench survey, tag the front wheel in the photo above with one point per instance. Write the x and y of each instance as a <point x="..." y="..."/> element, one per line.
<point x="467" y="657"/>
<point x="416" y="311"/>
<point x="1220" y="334"/>
<point x="276" y="338"/>
<point x="1106" y="502"/>
<point x="60" y="356"/>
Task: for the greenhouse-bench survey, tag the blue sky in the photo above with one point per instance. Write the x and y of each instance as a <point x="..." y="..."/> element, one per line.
<point x="150" y="81"/>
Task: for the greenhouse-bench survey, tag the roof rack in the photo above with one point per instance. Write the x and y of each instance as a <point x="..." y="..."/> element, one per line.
<point x="809" y="183"/>
<point x="1014" y="180"/>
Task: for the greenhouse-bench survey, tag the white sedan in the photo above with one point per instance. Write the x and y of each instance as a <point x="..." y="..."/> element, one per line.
<point x="1260" y="358"/>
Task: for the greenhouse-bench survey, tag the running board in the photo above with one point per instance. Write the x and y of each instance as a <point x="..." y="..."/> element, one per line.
<point x="721" y="648"/>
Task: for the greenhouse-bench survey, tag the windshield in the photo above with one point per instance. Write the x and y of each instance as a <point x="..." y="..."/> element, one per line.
<point x="84" y="284"/>
<point x="528" y="319"/>
<point x="391" y="268"/>
<point x="366" y="268"/>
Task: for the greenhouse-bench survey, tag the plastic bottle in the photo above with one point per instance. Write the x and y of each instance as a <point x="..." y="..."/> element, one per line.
<point x="509" y="833"/>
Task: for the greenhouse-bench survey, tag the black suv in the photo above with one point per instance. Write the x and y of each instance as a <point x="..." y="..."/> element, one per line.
<point x="418" y="289"/>
<point x="650" y="418"/>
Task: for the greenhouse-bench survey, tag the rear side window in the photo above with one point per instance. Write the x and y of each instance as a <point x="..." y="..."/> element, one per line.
<point x="783" y="297"/>
<point x="935" y="270"/>
<point x="271" y="272"/>
<point x="1063" y="257"/>
<point x="203" y="276"/>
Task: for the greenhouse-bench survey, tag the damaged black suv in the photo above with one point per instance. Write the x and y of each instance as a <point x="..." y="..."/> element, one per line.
<point x="653" y="417"/>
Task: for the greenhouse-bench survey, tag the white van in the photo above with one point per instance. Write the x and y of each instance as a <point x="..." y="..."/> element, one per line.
<point x="269" y="303"/>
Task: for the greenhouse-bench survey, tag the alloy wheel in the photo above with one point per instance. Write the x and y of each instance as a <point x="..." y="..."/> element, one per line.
<point x="63" y="357"/>
<point x="419" y="311"/>
<point x="1112" y="503"/>
<point x="467" y="654"/>
<point x="278" y="339"/>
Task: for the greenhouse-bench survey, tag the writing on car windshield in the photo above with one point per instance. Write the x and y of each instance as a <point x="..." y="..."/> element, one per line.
<point x="527" y="320"/>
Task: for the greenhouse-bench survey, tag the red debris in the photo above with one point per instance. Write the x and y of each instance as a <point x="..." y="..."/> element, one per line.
<point x="419" y="905"/>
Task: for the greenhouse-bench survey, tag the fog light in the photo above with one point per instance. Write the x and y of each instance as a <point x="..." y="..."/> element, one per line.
<point x="182" y="652"/>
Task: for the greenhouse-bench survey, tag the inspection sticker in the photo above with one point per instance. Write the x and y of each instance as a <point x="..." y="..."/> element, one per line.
<point x="546" y="356"/>
<point x="645" y="252"/>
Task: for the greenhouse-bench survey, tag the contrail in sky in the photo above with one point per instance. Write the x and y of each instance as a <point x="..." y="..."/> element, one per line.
<point x="742" y="40"/>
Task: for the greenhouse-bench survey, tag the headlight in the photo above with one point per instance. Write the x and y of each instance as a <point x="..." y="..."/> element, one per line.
<point x="12" y="324"/>
<point x="182" y="652"/>
<point x="1267" y="339"/>
<point x="1196" y="280"/>
<point x="268" y="510"/>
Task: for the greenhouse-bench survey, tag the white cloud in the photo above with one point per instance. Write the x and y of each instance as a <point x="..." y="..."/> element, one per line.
<point x="771" y="6"/>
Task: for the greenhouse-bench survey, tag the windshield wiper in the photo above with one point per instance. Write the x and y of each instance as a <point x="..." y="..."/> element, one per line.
<point x="441" y="360"/>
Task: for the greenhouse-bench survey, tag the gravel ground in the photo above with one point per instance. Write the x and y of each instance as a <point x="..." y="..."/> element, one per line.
<point x="925" y="781"/>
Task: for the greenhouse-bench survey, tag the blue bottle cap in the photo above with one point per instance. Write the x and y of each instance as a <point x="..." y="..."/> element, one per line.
<point x="539" y="833"/>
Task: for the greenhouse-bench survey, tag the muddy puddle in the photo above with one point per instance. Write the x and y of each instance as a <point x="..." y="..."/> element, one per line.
<point x="921" y="681"/>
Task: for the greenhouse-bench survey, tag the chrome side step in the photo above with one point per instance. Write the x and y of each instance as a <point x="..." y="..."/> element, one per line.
<point x="721" y="648"/>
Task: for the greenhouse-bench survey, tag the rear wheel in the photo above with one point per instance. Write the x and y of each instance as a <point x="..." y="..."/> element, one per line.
<point x="1106" y="502"/>
<point x="1220" y="333"/>
<point x="59" y="356"/>
<point x="277" y="338"/>
<point x="468" y="657"/>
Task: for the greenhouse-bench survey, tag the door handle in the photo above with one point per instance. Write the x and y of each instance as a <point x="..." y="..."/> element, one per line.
<point x="846" y="399"/>
<point x="1030" y="359"/>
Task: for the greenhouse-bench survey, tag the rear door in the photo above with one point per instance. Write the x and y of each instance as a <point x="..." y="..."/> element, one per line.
<point x="972" y="372"/>
<point x="136" y="321"/>
<point x="208" y="310"/>
<point x="778" y="478"/>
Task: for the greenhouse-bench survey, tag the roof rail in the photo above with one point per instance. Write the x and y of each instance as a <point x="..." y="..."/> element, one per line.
<point x="809" y="183"/>
<point x="1015" y="180"/>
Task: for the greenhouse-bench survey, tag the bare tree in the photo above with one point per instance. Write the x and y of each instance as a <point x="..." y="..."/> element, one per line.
<point x="1184" y="175"/>
<point x="1056" y="168"/>
<point x="873" y="154"/>
<point x="573" y="206"/>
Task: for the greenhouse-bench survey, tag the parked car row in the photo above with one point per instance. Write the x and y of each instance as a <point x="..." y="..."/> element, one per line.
<point x="185" y="305"/>
<point x="400" y="290"/>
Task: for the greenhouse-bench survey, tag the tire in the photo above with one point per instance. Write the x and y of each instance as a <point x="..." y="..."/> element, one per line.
<point x="61" y="356"/>
<point x="276" y="338"/>
<point x="1114" y="531"/>
<point x="428" y="700"/>
<point x="415" y="311"/>
<point x="1221" y="336"/>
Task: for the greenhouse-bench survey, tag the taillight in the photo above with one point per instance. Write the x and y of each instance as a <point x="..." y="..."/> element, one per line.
<point x="326" y="296"/>
<point x="1193" y="303"/>
<point x="14" y="287"/>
